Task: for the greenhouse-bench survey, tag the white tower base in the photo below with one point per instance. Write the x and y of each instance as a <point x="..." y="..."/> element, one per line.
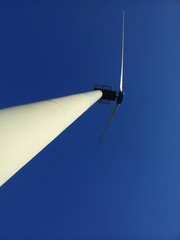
<point x="25" y="130"/>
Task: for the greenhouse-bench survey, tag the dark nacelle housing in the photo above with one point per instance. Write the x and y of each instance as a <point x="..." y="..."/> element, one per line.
<point x="108" y="94"/>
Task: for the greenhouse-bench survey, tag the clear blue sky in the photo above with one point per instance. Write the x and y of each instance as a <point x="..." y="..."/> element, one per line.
<point x="129" y="187"/>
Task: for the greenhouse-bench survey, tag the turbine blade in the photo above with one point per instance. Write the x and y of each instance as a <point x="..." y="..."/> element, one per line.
<point x="122" y="57"/>
<point x="112" y="114"/>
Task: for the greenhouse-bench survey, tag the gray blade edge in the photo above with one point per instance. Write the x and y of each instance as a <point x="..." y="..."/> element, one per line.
<point x="122" y="58"/>
<point x="112" y="114"/>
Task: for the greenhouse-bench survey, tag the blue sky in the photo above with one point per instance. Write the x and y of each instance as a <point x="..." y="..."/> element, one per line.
<point x="128" y="187"/>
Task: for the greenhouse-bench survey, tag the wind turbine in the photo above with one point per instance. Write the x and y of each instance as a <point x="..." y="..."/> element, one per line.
<point x="110" y="95"/>
<point x="27" y="129"/>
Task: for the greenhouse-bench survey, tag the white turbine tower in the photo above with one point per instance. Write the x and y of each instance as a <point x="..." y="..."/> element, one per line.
<point x="25" y="130"/>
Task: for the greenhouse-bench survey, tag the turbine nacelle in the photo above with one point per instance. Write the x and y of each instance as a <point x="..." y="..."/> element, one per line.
<point x="109" y="94"/>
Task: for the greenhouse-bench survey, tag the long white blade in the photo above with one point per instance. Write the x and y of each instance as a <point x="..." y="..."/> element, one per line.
<point x="112" y="114"/>
<point x="122" y="58"/>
